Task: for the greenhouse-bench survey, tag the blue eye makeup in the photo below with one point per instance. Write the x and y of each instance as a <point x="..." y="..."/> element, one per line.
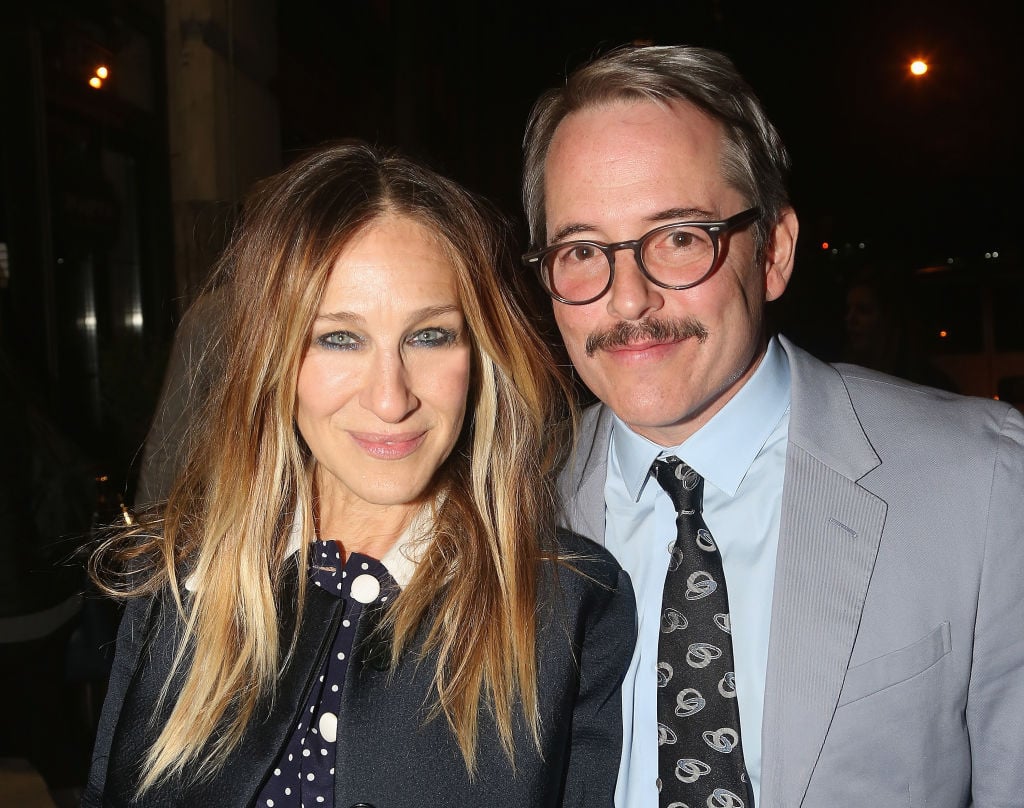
<point x="338" y="340"/>
<point x="433" y="337"/>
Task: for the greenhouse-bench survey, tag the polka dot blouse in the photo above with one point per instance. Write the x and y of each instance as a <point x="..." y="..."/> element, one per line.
<point x="303" y="776"/>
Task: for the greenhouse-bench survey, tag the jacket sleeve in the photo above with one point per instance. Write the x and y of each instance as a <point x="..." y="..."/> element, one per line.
<point x="596" y="737"/>
<point x="996" y="695"/>
<point x="130" y="639"/>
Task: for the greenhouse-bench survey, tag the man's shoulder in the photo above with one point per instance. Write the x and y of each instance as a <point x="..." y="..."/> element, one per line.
<point x="893" y="410"/>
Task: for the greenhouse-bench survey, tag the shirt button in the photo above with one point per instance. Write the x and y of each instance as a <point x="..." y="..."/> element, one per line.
<point x="365" y="589"/>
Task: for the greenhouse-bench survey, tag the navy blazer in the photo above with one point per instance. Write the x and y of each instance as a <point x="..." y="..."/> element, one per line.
<point x="389" y="755"/>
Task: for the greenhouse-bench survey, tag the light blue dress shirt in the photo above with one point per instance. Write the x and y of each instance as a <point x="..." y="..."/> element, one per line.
<point x="741" y="453"/>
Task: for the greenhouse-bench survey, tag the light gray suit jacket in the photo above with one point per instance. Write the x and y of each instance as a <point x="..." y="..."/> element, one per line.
<point x="896" y="656"/>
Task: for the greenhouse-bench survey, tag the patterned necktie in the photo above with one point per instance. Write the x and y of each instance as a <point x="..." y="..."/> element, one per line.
<point x="700" y="760"/>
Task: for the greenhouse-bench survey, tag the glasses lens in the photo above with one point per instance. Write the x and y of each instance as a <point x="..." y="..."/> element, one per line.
<point x="577" y="271"/>
<point x="678" y="255"/>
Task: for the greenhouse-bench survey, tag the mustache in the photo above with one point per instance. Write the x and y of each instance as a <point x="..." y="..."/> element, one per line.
<point x="647" y="330"/>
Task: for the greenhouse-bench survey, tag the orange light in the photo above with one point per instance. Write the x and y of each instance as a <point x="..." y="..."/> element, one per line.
<point x="919" y="67"/>
<point x="102" y="72"/>
<point x="824" y="245"/>
<point x="95" y="82"/>
<point x="943" y="334"/>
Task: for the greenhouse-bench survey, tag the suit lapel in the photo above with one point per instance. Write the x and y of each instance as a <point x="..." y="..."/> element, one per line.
<point x="582" y="482"/>
<point x="828" y="542"/>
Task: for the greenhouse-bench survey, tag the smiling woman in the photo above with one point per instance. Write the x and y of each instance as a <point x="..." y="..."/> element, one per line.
<point x="356" y="593"/>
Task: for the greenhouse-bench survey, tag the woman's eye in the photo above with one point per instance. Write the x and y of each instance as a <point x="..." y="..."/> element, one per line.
<point x="338" y="340"/>
<point x="431" y="337"/>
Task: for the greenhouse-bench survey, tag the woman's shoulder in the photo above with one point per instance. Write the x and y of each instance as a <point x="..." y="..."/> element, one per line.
<point x="586" y="561"/>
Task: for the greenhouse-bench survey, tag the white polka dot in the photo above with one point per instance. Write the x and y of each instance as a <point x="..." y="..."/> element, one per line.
<point x="317" y="583"/>
<point x="299" y="726"/>
<point x="329" y="727"/>
<point x="344" y="573"/>
<point x="366" y="566"/>
<point x="314" y="730"/>
<point x="291" y="756"/>
<point x="332" y="770"/>
<point x="384" y="599"/>
<point x="305" y="753"/>
<point x="288" y="791"/>
<point x="270" y="804"/>
<point x="334" y="688"/>
<point x="321" y="678"/>
<point x="311" y="709"/>
<point x="319" y="799"/>
<point x="323" y="751"/>
<point x="341" y="654"/>
<point x="310" y="776"/>
<point x="365" y="588"/>
<point x="277" y="772"/>
<point x="339" y="586"/>
<point x="346" y="624"/>
<point x="323" y="555"/>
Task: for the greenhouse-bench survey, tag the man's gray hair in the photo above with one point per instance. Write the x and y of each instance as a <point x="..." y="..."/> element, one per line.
<point x="754" y="159"/>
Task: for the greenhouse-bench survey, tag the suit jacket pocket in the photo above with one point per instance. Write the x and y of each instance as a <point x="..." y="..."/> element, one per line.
<point x="891" y="669"/>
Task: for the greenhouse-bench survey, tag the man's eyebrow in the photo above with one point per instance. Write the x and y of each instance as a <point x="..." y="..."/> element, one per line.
<point x="668" y="215"/>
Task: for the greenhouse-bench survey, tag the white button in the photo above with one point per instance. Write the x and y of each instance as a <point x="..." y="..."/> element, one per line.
<point x="329" y="727"/>
<point x="365" y="588"/>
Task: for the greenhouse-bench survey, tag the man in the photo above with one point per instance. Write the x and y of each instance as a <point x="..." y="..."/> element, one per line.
<point x="870" y="531"/>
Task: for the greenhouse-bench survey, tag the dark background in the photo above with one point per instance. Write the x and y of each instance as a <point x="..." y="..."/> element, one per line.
<point x="920" y="165"/>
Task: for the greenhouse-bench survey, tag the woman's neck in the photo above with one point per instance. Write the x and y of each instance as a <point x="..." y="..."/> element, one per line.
<point x="363" y="527"/>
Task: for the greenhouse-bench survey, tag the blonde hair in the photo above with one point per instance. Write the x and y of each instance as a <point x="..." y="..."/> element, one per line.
<point x="228" y="517"/>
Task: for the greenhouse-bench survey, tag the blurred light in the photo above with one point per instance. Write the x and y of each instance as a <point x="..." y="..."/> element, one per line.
<point x="988" y="255"/>
<point x="824" y="245"/>
<point x="918" y="67"/>
<point x="943" y="334"/>
<point x="861" y="245"/>
<point x="95" y="82"/>
<point x="995" y="254"/>
<point x="949" y="260"/>
<point x="996" y="397"/>
<point x="835" y="251"/>
<point x="102" y="72"/>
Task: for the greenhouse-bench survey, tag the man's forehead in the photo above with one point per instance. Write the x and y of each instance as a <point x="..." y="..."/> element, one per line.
<point x="642" y="154"/>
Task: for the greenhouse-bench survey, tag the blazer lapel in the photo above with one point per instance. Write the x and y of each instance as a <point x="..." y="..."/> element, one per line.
<point x="246" y="768"/>
<point x="581" y="484"/>
<point x="828" y="542"/>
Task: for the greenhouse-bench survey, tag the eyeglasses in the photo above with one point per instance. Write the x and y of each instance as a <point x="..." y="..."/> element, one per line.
<point x="673" y="256"/>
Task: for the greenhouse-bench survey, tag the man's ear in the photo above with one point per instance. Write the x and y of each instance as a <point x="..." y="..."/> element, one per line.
<point x="779" y="254"/>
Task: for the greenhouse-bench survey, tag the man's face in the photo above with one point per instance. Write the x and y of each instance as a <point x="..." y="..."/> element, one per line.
<point x="665" y="361"/>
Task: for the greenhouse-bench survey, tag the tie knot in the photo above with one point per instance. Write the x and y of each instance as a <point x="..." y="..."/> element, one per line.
<point x="681" y="483"/>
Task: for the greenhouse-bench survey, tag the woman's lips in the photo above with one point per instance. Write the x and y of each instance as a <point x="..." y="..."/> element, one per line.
<point x="388" y="447"/>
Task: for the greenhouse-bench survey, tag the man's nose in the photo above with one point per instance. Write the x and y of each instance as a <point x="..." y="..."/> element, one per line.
<point x="632" y="295"/>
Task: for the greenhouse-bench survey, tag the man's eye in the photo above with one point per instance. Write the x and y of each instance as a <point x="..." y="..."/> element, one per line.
<point x="578" y="253"/>
<point x="682" y="239"/>
<point x="432" y="337"/>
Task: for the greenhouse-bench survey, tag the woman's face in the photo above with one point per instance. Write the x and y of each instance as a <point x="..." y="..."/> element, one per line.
<point x="383" y="385"/>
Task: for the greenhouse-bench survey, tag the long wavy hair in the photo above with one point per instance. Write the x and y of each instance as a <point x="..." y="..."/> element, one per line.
<point x="226" y="524"/>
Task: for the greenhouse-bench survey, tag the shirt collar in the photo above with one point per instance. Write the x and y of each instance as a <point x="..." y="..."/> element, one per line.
<point x="723" y="449"/>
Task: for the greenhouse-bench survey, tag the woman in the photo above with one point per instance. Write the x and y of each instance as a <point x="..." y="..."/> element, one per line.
<point x="356" y="594"/>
